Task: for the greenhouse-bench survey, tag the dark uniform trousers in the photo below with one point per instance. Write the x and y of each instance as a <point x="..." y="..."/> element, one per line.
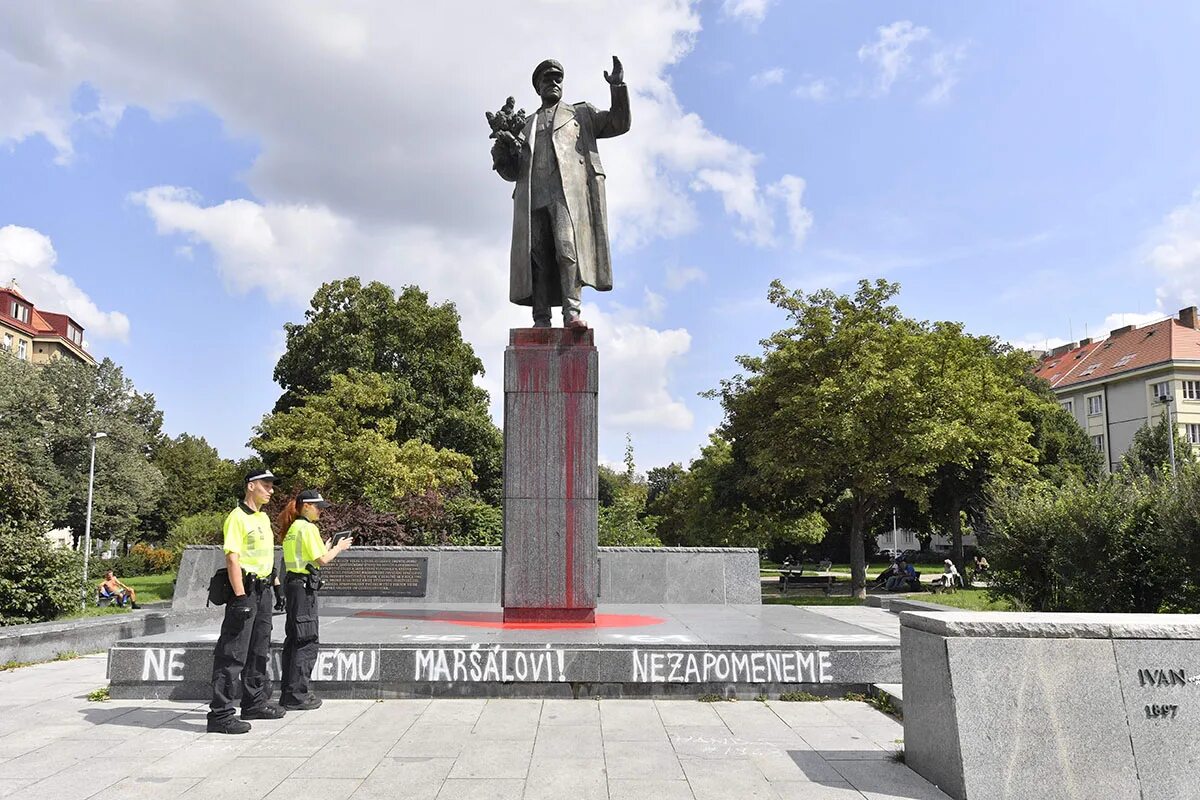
<point x="301" y="639"/>
<point x="240" y="658"/>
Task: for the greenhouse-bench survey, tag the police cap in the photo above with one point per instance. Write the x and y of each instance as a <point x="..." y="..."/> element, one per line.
<point x="260" y="475"/>
<point x="312" y="496"/>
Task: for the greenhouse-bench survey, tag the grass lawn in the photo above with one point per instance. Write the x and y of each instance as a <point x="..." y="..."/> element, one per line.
<point x="968" y="599"/>
<point x="152" y="588"/>
<point x="149" y="588"/>
<point x="817" y="600"/>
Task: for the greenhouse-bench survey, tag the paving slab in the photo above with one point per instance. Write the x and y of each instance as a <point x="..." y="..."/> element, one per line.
<point x="420" y="749"/>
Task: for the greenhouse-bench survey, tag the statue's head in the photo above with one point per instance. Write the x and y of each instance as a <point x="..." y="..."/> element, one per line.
<point x="547" y="80"/>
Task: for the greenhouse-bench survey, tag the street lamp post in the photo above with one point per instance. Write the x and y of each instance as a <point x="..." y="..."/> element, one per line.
<point x="87" y="526"/>
<point x="1166" y="401"/>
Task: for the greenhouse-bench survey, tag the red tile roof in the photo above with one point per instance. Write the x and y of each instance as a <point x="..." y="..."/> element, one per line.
<point x="41" y="323"/>
<point x="1125" y="350"/>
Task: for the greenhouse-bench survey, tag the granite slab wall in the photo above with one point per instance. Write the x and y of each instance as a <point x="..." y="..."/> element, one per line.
<point x="1083" y="706"/>
<point x="182" y="671"/>
<point x="686" y="575"/>
<point x="46" y="640"/>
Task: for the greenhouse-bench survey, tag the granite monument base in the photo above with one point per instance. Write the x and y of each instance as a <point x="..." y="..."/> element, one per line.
<point x="1002" y="706"/>
<point x="551" y="569"/>
<point x="468" y="650"/>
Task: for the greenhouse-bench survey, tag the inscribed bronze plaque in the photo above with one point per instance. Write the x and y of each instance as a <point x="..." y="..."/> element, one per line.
<point x="372" y="577"/>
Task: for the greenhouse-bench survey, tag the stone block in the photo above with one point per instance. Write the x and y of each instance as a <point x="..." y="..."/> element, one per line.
<point x="1056" y="705"/>
<point x="1160" y="683"/>
<point x="632" y="576"/>
<point x="931" y="745"/>
<point x="467" y="576"/>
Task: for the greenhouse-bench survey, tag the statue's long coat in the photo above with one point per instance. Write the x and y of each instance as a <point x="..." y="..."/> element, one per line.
<point x="576" y="129"/>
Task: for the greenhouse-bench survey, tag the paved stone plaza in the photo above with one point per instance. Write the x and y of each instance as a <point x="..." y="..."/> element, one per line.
<point x="55" y="744"/>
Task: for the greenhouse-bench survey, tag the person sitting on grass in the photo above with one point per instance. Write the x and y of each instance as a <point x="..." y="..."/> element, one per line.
<point x="113" y="589"/>
<point x="950" y="577"/>
<point x="904" y="573"/>
<point x="882" y="578"/>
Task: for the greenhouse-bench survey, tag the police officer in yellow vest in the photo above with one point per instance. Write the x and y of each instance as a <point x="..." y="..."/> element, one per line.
<point x="304" y="553"/>
<point x="240" y="658"/>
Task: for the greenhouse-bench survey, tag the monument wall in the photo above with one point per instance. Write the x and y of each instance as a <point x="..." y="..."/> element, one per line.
<point x="415" y="575"/>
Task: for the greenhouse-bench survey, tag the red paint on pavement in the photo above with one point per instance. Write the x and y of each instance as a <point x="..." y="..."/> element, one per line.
<point x="495" y="619"/>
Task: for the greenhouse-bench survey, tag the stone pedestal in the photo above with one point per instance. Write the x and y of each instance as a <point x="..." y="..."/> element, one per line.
<point x="1007" y="706"/>
<point x="550" y="560"/>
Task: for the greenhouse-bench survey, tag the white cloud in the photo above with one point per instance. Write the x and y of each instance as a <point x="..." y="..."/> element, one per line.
<point x="889" y="53"/>
<point x="768" y="77"/>
<point x="790" y="190"/>
<point x="287" y="251"/>
<point x="750" y="13"/>
<point x="905" y="50"/>
<point x="816" y="89"/>
<point x="341" y="98"/>
<point x="679" y="277"/>
<point x="28" y="256"/>
<point x="638" y="359"/>
<point x="944" y="65"/>
<point x="373" y="151"/>
<point x="1173" y="251"/>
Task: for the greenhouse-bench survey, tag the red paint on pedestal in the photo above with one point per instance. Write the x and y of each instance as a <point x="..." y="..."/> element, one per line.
<point x="492" y="619"/>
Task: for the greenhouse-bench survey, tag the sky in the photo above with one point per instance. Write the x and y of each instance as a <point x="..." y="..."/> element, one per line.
<point x="180" y="177"/>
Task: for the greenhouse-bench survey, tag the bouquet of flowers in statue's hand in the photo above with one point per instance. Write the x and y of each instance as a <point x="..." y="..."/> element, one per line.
<point x="506" y="126"/>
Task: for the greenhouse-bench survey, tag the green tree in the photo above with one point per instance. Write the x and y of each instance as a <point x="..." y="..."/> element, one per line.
<point x="978" y="389"/>
<point x="854" y="402"/>
<point x="195" y="480"/>
<point x="1065" y="453"/>
<point x="338" y="440"/>
<point x="704" y="508"/>
<point x="38" y="581"/>
<point x="47" y="415"/>
<point x="127" y="485"/>
<point x="659" y="482"/>
<point x="419" y="346"/>
<point x="1150" y="453"/>
<point x="205" y="527"/>
<point x="624" y="523"/>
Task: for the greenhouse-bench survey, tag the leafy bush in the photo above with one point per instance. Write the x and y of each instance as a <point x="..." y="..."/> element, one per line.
<point x="1123" y="544"/>
<point x="203" y="528"/>
<point x="155" y="560"/>
<point x="475" y="523"/>
<point x="38" y="580"/>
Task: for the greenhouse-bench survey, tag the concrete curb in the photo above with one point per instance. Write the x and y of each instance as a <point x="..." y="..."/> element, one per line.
<point x="42" y="641"/>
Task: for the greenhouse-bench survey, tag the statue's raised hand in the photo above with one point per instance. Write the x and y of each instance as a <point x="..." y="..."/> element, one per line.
<point x="618" y="73"/>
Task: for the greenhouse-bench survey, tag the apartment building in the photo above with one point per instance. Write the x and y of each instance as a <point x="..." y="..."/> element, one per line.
<point x="1116" y="385"/>
<point x="35" y="335"/>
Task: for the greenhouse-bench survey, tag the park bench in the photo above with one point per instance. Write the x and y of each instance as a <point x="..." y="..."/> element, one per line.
<point x="792" y="578"/>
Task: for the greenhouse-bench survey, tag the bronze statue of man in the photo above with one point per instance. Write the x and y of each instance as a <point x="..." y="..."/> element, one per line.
<point x="560" y="218"/>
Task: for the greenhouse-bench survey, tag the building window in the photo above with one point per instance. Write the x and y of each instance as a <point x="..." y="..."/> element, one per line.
<point x="1068" y="406"/>
<point x="21" y="350"/>
<point x="1193" y="433"/>
<point x="75" y="335"/>
<point x="1123" y="360"/>
<point x="1191" y="390"/>
<point x="1161" y="390"/>
<point x="1095" y="405"/>
<point x="8" y="342"/>
<point x="19" y="312"/>
<point x="1098" y="443"/>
